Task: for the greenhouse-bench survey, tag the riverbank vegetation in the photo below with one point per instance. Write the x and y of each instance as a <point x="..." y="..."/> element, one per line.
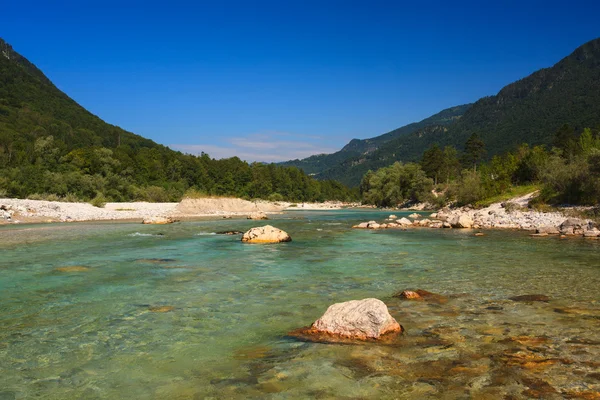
<point x="567" y="172"/>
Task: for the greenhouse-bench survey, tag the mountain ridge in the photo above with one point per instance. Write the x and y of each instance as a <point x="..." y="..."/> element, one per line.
<point x="319" y="163"/>
<point x="529" y="110"/>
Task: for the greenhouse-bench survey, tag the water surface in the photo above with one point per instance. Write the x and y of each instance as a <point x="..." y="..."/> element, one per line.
<point x="98" y="332"/>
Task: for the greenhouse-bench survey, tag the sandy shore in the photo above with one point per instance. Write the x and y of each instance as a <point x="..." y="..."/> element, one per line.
<point x="32" y="211"/>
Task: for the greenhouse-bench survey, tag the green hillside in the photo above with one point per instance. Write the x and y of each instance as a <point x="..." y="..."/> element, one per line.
<point x="49" y="144"/>
<point x="529" y="111"/>
<point x="356" y="148"/>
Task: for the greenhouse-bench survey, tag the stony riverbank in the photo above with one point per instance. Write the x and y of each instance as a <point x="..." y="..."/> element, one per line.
<point x="508" y="215"/>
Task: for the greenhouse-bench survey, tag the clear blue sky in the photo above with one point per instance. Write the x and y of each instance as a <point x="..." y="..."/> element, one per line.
<point x="274" y="80"/>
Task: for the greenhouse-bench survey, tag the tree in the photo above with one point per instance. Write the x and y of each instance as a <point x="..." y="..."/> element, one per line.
<point x="451" y="166"/>
<point x="565" y="139"/>
<point x="474" y="150"/>
<point x="432" y="162"/>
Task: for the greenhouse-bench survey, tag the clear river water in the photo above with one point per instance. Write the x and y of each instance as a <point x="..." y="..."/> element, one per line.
<point x="131" y="311"/>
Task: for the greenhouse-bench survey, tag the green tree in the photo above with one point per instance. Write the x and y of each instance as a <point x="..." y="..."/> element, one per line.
<point x="474" y="151"/>
<point x="432" y="162"/>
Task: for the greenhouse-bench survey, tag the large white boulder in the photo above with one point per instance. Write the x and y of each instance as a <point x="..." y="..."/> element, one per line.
<point x="266" y="234"/>
<point x="357" y="320"/>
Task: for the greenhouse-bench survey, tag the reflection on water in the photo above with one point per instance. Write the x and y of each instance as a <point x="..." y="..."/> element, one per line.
<point x="105" y="311"/>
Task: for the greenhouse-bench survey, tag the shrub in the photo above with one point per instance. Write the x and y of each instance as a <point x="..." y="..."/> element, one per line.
<point x="98" y="201"/>
<point x="468" y="189"/>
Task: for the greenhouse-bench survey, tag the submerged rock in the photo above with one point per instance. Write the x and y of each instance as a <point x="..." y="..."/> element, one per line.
<point x="266" y="234"/>
<point x="72" y="268"/>
<point x="420" y="294"/>
<point x="161" y="309"/>
<point x="530" y="297"/>
<point x="366" y="319"/>
<point x="229" y="233"/>
<point x="409" y="295"/>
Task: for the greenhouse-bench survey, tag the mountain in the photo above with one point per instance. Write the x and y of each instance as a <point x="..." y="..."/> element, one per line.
<point x="319" y="164"/>
<point x="530" y="111"/>
<point x="50" y="145"/>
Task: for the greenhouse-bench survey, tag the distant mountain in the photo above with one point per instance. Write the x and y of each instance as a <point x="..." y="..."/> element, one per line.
<point x="356" y="148"/>
<point x="530" y="111"/>
<point x="51" y="146"/>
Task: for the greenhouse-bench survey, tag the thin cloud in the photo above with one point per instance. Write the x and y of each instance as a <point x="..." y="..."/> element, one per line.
<point x="262" y="147"/>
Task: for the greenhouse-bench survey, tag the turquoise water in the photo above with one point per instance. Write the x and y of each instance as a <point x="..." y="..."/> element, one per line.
<point x="95" y="333"/>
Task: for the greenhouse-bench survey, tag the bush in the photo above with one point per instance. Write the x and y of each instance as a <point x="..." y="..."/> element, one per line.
<point x="71" y="198"/>
<point x="98" y="201"/>
<point x="468" y="189"/>
<point x="510" y="206"/>
<point x="275" y="197"/>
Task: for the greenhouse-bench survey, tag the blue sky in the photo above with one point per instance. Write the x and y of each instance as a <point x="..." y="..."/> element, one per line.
<point x="277" y="80"/>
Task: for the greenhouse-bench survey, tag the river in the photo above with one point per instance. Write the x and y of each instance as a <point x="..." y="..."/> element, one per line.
<point x="179" y="312"/>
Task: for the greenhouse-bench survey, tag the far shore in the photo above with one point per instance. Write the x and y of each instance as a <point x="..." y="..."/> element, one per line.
<point x="15" y="211"/>
<point x="495" y="216"/>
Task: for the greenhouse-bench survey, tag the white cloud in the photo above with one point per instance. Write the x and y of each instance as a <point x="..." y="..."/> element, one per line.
<point x="264" y="147"/>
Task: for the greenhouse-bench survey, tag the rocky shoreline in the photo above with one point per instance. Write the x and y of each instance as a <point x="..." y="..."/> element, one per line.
<point x="496" y="216"/>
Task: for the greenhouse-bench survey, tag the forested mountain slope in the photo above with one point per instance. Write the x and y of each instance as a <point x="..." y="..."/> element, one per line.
<point x="49" y="144"/>
<point x="530" y="111"/>
<point x="319" y="164"/>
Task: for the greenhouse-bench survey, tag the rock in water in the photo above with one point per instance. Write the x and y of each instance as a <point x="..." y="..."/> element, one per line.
<point x="550" y="230"/>
<point x="161" y="309"/>
<point x="421" y="294"/>
<point x="258" y="215"/>
<point x="72" y="268"/>
<point x="462" y="221"/>
<point x="531" y="297"/>
<point x="266" y="234"/>
<point x="365" y="319"/>
<point x="573" y="226"/>
<point x="409" y="294"/>
<point x="158" y="220"/>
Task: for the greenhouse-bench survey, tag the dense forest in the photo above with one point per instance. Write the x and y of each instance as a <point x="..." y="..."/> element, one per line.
<point x="527" y="111"/>
<point x="51" y="147"/>
<point x="567" y="172"/>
